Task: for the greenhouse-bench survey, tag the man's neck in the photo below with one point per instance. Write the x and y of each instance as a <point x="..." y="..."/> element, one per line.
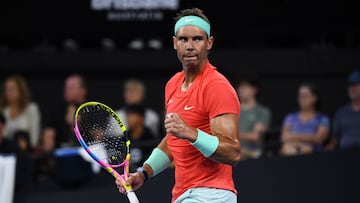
<point x="190" y="75"/>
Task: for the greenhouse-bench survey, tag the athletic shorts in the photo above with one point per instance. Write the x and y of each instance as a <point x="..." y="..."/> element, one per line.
<point x="207" y="195"/>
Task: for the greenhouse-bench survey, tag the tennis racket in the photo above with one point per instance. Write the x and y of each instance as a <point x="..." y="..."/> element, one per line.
<point x="103" y="135"/>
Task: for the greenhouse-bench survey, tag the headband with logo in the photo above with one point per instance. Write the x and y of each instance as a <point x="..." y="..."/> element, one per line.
<point x="195" y="21"/>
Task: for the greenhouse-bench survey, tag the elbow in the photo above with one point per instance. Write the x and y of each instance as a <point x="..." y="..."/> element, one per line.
<point x="231" y="158"/>
<point x="236" y="157"/>
<point x="235" y="160"/>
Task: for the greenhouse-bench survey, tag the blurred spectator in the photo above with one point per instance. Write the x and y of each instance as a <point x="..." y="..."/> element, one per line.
<point x="6" y="145"/>
<point x="134" y="93"/>
<point x="44" y="153"/>
<point x="346" y="123"/>
<point x="306" y="130"/>
<point x="142" y="138"/>
<point x="69" y="122"/>
<point x="44" y="157"/>
<point x="254" y="119"/>
<point x="20" y="112"/>
<point x="47" y="145"/>
<point x="59" y="122"/>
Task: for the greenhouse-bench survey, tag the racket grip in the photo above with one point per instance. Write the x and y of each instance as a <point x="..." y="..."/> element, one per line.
<point x="132" y="197"/>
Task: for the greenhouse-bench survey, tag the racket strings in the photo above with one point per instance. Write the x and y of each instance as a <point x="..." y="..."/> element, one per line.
<point x="102" y="133"/>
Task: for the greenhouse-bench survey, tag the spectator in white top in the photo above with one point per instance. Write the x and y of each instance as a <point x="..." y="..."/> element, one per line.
<point x="20" y="112"/>
<point x="134" y="93"/>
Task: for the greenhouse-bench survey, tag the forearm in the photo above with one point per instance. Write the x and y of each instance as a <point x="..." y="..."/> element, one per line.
<point x="222" y="149"/>
<point x="310" y="138"/>
<point x="159" y="159"/>
<point x="222" y="145"/>
<point x="228" y="151"/>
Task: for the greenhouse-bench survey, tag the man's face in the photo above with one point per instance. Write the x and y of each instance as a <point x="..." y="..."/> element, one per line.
<point x="192" y="46"/>
<point x="354" y="91"/>
<point x="73" y="90"/>
<point x="246" y="91"/>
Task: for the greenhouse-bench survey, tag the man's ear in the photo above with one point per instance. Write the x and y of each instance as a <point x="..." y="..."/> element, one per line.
<point x="174" y="42"/>
<point x="210" y="43"/>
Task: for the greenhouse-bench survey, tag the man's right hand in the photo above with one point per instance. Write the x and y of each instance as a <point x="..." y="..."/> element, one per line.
<point x="135" y="180"/>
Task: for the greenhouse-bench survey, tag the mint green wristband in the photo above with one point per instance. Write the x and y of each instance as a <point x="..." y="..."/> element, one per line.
<point x="205" y="143"/>
<point x="158" y="161"/>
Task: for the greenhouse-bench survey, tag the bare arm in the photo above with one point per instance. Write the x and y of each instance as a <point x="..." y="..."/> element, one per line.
<point x="285" y="133"/>
<point x="318" y="138"/>
<point x="136" y="180"/>
<point x="164" y="147"/>
<point x="225" y="127"/>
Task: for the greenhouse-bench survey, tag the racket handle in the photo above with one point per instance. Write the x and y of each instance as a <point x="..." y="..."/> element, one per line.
<point x="132" y="197"/>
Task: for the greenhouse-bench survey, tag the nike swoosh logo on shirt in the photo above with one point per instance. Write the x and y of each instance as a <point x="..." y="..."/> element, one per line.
<point x="187" y="108"/>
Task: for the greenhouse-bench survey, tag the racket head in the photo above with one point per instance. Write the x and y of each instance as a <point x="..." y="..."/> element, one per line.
<point x="103" y="135"/>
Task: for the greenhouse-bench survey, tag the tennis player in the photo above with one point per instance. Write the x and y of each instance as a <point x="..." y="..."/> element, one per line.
<point x="202" y="110"/>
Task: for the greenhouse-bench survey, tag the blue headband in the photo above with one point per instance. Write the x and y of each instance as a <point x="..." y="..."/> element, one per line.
<point x="195" y="21"/>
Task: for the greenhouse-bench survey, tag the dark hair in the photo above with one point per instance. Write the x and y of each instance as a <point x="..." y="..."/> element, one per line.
<point x="315" y="91"/>
<point x="2" y="118"/>
<point x="191" y="12"/>
<point x="135" y="108"/>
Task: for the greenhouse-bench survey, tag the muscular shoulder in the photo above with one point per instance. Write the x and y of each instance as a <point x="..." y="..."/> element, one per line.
<point x="214" y="81"/>
<point x="213" y="76"/>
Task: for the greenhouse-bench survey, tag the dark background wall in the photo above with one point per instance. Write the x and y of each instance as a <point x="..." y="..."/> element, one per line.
<point x="256" y="23"/>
